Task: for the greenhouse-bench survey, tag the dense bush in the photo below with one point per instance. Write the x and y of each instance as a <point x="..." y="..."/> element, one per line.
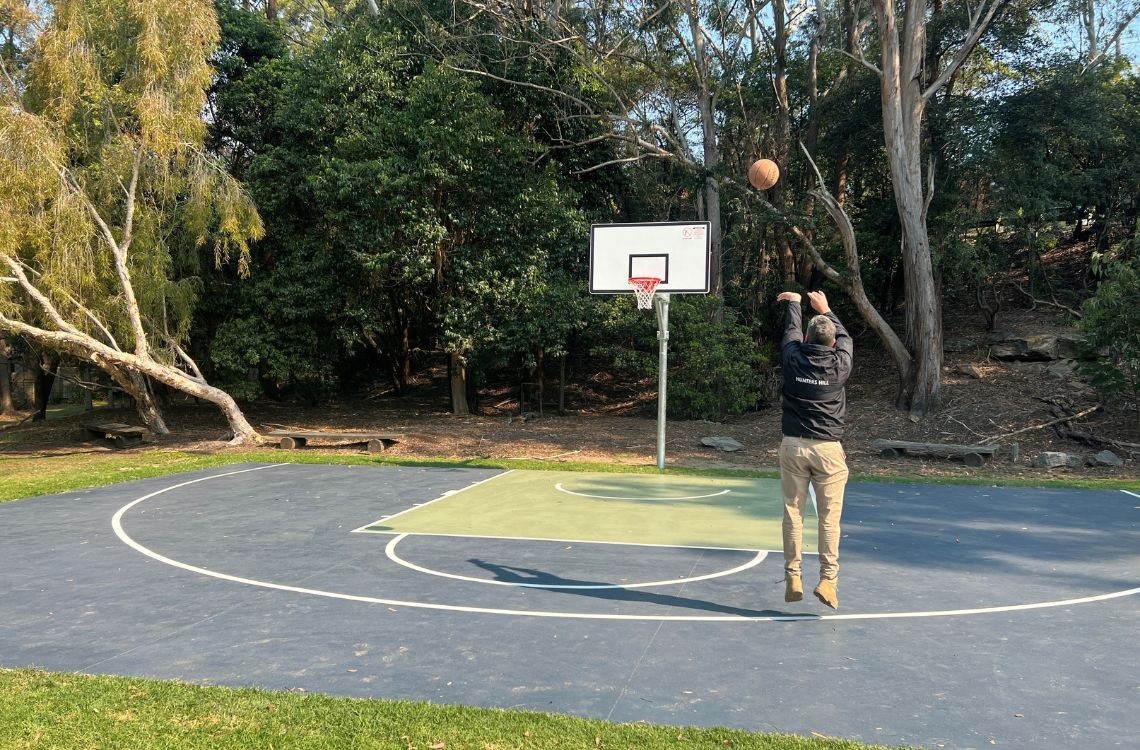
<point x="1111" y="324"/>
<point x="716" y="368"/>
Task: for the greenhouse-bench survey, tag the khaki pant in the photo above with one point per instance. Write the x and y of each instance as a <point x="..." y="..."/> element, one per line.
<point x="824" y="464"/>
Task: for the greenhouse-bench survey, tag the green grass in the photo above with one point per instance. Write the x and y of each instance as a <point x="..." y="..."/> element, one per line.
<point x="32" y="476"/>
<point x="78" y="712"/>
<point x="25" y="476"/>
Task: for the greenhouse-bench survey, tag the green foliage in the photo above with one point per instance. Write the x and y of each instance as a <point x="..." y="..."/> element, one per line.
<point x="716" y="368"/>
<point x="405" y="212"/>
<point x="1111" y="325"/>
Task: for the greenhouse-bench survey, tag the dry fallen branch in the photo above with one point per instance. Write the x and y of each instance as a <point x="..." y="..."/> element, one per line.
<point x="1071" y="311"/>
<point x="1069" y="418"/>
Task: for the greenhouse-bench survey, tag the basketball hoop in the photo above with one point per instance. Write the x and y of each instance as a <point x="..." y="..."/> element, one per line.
<point x="644" y="287"/>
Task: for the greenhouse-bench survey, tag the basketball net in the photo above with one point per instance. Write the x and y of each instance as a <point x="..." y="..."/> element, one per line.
<point x="643" y="288"/>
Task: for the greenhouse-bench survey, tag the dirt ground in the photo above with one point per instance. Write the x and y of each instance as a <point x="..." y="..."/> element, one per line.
<point x="984" y="400"/>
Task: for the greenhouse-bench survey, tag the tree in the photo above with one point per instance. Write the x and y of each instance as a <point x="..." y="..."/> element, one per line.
<point x="404" y="212"/>
<point x="910" y="75"/>
<point x="7" y="404"/>
<point x="660" y="76"/>
<point x="105" y="193"/>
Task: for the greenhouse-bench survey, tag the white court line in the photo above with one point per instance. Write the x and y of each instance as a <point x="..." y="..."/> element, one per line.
<point x="560" y="540"/>
<point x="417" y="506"/>
<point x="390" y="551"/>
<point x="560" y="488"/>
<point x="116" y="523"/>
<point x="1133" y="494"/>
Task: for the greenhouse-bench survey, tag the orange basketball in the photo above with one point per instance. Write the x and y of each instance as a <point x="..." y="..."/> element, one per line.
<point x="763" y="174"/>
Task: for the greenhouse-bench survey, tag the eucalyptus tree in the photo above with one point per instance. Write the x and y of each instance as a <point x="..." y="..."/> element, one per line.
<point x="910" y="74"/>
<point x="1095" y="30"/>
<point x="106" y="195"/>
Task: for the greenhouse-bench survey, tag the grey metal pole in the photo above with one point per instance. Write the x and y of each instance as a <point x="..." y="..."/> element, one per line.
<point x="661" y="303"/>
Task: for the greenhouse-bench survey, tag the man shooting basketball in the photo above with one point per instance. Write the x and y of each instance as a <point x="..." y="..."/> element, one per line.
<point x="815" y="371"/>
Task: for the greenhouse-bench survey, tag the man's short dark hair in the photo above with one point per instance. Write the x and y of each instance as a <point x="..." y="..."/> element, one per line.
<point x="821" y="330"/>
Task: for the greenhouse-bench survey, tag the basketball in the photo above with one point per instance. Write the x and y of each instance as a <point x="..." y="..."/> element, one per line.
<point x="763" y="174"/>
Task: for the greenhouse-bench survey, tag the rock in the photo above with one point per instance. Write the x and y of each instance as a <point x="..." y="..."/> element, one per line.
<point x="1106" y="458"/>
<point x="723" y="443"/>
<point x="969" y="368"/>
<point x="1062" y="369"/>
<point x="1055" y="459"/>
<point x="1037" y="347"/>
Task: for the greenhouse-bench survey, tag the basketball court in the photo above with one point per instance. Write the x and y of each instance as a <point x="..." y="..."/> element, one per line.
<point x="969" y="616"/>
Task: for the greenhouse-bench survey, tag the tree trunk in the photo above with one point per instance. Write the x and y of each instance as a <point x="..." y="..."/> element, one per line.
<point x="107" y="359"/>
<point x="457" y="379"/>
<point x="903" y="107"/>
<point x="843" y="158"/>
<point x="137" y="385"/>
<point x="711" y="153"/>
<point x="7" y="404"/>
<point x="45" y="381"/>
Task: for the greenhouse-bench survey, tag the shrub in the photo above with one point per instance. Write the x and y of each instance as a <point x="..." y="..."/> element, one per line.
<point x="716" y="369"/>
<point x="1111" y="325"/>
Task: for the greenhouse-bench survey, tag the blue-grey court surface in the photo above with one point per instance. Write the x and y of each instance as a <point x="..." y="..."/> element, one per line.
<point x="971" y="617"/>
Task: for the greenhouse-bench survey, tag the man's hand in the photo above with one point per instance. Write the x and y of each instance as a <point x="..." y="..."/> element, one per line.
<point x="788" y="297"/>
<point x="818" y="302"/>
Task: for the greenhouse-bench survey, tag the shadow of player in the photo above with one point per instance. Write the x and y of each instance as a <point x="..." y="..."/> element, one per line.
<point x="600" y="590"/>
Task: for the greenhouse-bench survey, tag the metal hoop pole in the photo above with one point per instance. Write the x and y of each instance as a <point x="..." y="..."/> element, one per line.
<point x="661" y="303"/>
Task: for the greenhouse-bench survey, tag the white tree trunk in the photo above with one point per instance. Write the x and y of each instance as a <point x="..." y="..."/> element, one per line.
<point x="903" y="106"/>
<point x="706" y="99"/>
<point x="106" y="358"/>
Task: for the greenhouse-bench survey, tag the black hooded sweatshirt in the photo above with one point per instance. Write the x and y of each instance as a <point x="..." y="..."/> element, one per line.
<point x="815" y="402"/>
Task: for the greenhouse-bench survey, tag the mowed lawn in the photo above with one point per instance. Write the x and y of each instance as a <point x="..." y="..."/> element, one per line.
<point x="81" y="712"/>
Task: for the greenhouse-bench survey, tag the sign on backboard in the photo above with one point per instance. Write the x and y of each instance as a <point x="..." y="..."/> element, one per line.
<point x="677" y="252"/>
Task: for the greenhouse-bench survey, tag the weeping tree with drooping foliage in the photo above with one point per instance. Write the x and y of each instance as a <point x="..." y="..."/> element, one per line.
<point x="107" y="196"/>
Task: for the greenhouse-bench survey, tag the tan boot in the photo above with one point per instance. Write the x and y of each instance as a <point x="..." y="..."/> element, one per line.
<point x="828" y="592"/>
<point x="793" y="588"/>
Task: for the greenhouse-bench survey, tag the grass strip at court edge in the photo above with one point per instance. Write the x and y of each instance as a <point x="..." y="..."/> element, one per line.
<point x="31" y="476"/>
<point x="66" y="711"/>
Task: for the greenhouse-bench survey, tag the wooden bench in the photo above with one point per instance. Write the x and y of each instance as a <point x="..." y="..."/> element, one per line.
<point x="120" y="435"/>
<point x="973" y="455"/>
<point x="374" y="441"/>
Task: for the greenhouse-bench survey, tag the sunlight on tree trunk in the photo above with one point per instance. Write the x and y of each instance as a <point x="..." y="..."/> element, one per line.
<point x="457" y="375"/>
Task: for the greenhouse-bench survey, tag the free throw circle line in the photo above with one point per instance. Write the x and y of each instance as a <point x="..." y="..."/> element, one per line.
<point x="558" y="486"/>
<point x="116" y="524"/>
<point x="390" y="551"/>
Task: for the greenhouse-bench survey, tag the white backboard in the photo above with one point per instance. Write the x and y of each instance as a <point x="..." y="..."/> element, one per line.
<point x="677" y="252"/>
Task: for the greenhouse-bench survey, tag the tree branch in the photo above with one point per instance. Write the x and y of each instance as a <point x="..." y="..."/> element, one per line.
<point x="118" y="253"/>
<point x="1075" y="313"/>
<point x="1069" y="418"/>
<point x="34" y="292"/>
<point x="1121" y="27"/>
<point x="979" y="24"/>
